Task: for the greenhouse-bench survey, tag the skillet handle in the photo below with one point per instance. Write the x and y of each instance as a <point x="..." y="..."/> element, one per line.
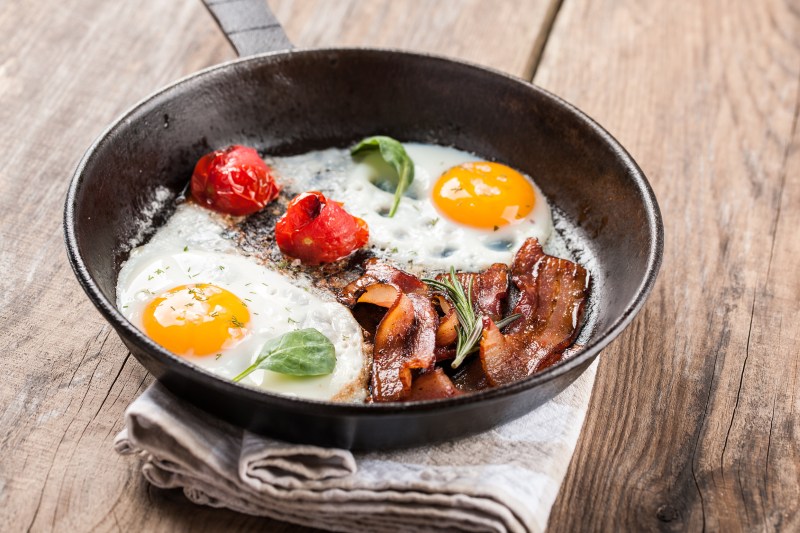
<point x="249" y="25"/>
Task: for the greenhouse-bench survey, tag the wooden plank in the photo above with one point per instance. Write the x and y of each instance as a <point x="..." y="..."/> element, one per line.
<point x="502" y="34"/>
<point x="67" y="68"/>
<point x="694" y="418"/>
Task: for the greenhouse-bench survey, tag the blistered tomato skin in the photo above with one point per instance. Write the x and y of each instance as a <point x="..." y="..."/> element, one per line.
<point x="235" y="181"/>
<point x="317" y="230"/>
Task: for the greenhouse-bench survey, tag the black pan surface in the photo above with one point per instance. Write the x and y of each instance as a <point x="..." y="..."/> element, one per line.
<point x="293" y="101"/>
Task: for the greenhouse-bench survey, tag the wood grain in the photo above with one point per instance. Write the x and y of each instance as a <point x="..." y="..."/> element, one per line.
<point x="505" y="34"/>
<point x="67" y="68"/>
<point x="694" y="419"/>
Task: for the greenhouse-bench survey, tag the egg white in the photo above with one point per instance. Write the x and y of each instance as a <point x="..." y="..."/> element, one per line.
<point x="191" y="248"/>
<point x="418" y="234"/>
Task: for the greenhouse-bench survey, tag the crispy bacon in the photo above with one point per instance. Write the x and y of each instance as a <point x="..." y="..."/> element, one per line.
<point x="489" y="289"/>
<point x="553" y="294"/>
<point x="432" y="386"/>
<point x="447" y="333"/>
<point x="444" y="353"/>
<point x="406" y="336"/>
<point x="470" y="376"/>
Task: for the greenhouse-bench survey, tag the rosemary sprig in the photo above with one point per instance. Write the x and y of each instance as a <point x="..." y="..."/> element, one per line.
<point x="503" y="322"/>
<point x="470" y="325"/>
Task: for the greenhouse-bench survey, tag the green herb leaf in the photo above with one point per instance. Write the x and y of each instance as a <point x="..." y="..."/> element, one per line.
<point x="394" y="154"/>
<point x="305" y="352"/>
<point x="507" y="320"/>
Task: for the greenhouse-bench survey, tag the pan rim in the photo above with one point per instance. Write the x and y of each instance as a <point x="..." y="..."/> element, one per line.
<point x="111" y="314"/>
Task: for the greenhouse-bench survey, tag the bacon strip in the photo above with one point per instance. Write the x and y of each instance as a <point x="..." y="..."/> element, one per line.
<point x="489" y="289"/>
<point x="553" y="294"/>
<point x="406" y="336"/>
<point x="446" y="333"/>
<point x="432" y="386"/>
<point x="470" y="377"/>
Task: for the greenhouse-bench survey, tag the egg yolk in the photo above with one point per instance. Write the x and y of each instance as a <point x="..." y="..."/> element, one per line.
<point x="199" y="319"/>
<point x="483" y="195"/>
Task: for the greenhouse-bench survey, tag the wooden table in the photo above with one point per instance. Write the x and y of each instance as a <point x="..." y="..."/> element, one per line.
<point x="695" y="419"/>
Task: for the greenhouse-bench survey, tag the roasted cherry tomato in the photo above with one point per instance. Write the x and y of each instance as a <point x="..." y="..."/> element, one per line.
<point x="317" y="230"/>
<point x="235" y="181"/>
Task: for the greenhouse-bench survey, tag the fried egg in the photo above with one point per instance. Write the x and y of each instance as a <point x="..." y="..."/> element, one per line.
<point x="192" y="292"/>
<point x="459" y="211"/>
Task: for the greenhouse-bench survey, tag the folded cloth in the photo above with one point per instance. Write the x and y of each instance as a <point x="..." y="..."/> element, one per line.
<point x="505" y="479"/>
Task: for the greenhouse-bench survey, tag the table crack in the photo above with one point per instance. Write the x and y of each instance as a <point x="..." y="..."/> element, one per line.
<point x="537" y="53"/>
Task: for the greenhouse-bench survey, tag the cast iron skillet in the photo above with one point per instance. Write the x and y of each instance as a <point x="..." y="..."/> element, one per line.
<point x="292" y="101"/>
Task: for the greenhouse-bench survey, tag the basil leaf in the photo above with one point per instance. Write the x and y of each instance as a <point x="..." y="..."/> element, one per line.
<point x="395" y="155"/>
<point x="305" y="352"/>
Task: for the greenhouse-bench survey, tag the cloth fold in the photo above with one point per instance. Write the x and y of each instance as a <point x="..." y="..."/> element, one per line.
<point x="505" y="479"/>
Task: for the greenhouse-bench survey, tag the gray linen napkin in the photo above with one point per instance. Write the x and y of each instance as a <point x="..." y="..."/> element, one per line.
<point x="505" y="479"/>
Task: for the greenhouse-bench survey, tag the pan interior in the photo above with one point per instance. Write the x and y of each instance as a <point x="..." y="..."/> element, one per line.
<point x="291" y="103"/>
